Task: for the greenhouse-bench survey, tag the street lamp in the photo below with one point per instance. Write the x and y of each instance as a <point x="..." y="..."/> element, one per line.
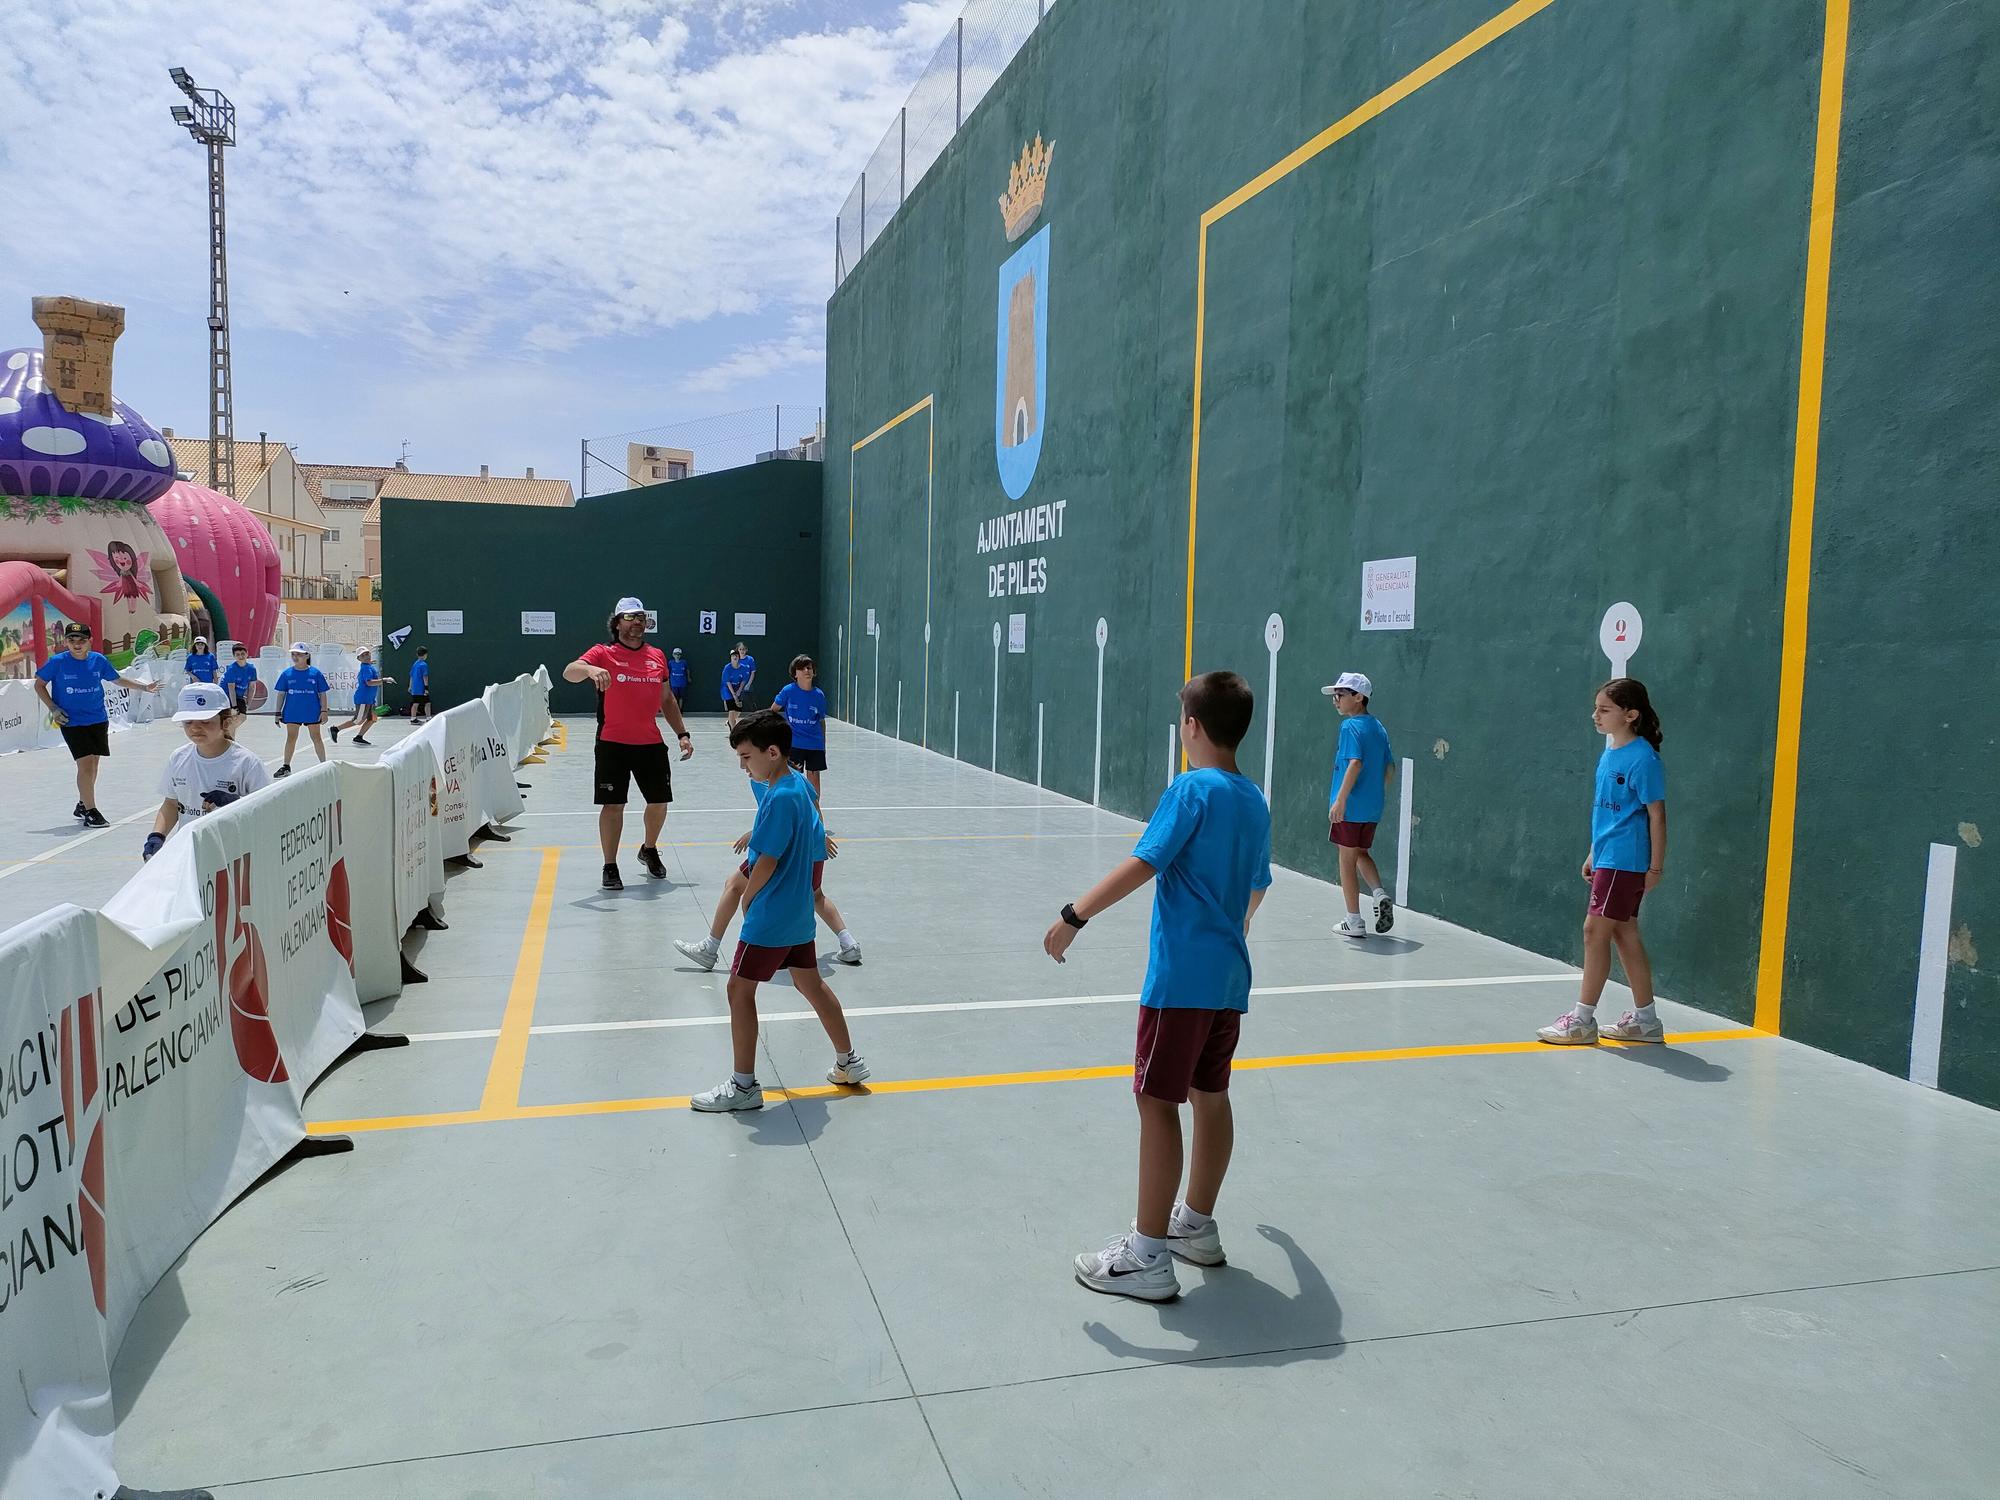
<point x="211" y="119"/>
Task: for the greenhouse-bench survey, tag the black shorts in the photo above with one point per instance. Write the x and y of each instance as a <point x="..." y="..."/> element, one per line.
<point x="619" y="765"/>
<point x="87" y="739"/>
<point x="420" y="700"/>
<point x="807" y="760"/>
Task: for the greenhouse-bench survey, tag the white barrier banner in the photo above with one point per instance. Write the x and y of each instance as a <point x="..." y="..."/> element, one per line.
<point x="24" y="723"/>
<point x="504" y="700"/>
<point x="475" y="776"/>
<point x="413" y="767"/>
<point x="55" y="1412"/>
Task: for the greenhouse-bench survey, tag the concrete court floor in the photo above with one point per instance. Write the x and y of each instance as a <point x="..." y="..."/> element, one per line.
<point x="1463" y="1266"/>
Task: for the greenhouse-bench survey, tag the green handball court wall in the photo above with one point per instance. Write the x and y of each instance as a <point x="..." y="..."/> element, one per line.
<point x="1537" y="323"/>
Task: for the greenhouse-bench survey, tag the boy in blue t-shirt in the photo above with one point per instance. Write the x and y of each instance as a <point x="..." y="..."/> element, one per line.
<point x="368" y="684"/>
<point x="735" y="680"/>
<point x="1363" y="766"/>
<point x="785" y="843"/>
<point x="1209" y="848"/>
<point x="301" y="690"/>
<point x="677" y="675"/>
<point x="804" y="708"/>
<point x="237" y="677"/>
<point x="200" y="664"/>
<point x="71" y="687"/>
<point x="420" y="686"/>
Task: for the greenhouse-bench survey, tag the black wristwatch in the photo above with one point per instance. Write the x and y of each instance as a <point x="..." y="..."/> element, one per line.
<point x="1069" y="915"/>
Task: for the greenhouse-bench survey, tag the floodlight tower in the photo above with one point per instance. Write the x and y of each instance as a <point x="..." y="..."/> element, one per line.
<point x="211" y="119"/>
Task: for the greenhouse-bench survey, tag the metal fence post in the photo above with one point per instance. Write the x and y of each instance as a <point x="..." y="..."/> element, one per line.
<point x="958" y="117"/>
<point x="864" y="210"/>
<point x="584" y="445"/>
<point x="777" y="428"/>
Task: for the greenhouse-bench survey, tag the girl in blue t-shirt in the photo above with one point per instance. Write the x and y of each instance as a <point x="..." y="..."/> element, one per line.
<point x="368" y="684"/>
<point x="1628" y="853"/>
<point x="735" y="683"/>
<point x="301" y="690"/>
<point x="804" y="708"/>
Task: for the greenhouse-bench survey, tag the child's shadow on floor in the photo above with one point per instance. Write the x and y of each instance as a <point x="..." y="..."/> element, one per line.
<point x="1231" y="1315"/>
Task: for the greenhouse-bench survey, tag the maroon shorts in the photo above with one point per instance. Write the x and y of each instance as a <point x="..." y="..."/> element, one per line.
<point x="1617" y="893"/>
<point x="760" y="964"/>
<point x="1352" y="835"/>
<point x="819" y="872"/>
<point x="1184" y="1049"/>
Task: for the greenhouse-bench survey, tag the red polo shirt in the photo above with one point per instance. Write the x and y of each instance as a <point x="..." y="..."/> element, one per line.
<point x="628" y="711"/>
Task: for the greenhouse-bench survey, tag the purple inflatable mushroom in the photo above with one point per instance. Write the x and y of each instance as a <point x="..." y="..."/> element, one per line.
<point x="46" y="449"/>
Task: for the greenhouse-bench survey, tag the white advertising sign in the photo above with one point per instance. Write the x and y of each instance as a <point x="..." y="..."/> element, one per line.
<point x="446" y="621"/>
<point x="538" y="622"/>
<point x="749" y="624"/>
<point x="1389" y="594"/>
<point x="1017" y="635"/>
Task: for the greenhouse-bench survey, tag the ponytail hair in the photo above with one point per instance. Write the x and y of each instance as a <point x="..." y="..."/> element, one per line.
<point x="1630" y="693"/>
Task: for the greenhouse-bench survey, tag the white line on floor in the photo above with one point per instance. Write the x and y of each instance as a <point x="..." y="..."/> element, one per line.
<point x="664" y="1023"/>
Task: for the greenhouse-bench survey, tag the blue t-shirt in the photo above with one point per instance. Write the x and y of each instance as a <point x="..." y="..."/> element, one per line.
<point x="805" y="710"/>
<point x="733" y="677"/>
<point x="760" y="791"/>
<point x="78" y="686"/>
<point x="302" y="689"/>
<point x="677" y="673"/>
<point x="1363" y="739"/>
<point x="788" y="829"/>
<point x="365" y="678"/>
<point x="236" y="679"/>
<point x="1629" y="779"/>
<point x="420" y="678"/>
<point x="1209" y="842"/>
<point x="200" y="666"/>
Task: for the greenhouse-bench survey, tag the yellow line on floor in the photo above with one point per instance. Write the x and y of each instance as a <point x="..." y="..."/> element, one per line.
<point x="510" y="1052"/>
<point x="488" y="1113"/>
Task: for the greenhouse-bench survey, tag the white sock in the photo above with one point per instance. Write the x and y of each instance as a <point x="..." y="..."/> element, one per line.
<point x="1585" y="1012"/>
<point x="1645" y="1013"/>
<point x="845" y="939"/>
<point x="1187" y="1218"/>
<point x="1380" y="894"/>
<point x="1146" y="1249"/>
<point x="745" y="1080"/>
<point x="844" y="1058"/>
<point x="711" y="942"/>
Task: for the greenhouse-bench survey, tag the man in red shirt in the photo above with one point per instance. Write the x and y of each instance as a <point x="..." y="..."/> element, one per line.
<point x="632" y="693"/>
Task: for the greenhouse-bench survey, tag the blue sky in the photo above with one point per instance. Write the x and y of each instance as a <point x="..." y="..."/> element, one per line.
<point x="491" y="227"/>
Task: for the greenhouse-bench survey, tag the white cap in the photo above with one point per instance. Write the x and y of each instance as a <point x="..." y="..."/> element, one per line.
<point x="201" y="640"/>
<point x="200" y="700"/>
<point x="629" y="606"/>
<point x="1354" y="682"/>
<point x="364" y="650"/>
<point x="300" y="648"/>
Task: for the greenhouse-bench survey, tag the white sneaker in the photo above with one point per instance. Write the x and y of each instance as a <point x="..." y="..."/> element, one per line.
<point x="1570" y="1030"/>
<point x="1629" y="1028"/>
<point x="1200" y="1247"/>
<point x="1352" y="927"/>
<point x="852" y="1072"/>
<point x="849" y="956"/>
<point x="728" y="1096"/>
<point x="701" y="955"/>
<point x="1385" y="912"/>
<point x="1116" y="1271"/>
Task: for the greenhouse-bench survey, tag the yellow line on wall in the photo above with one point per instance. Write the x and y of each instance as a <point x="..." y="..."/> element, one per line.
<point x="1472" y="42"/>
<point x="847" y="636"/>
<point x="1799" y="549"/>
<point x="510" y="1052"/>
<point x="486" y="1115"/>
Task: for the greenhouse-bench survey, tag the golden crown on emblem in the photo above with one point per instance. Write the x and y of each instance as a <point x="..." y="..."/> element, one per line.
<point x="1026" y="182"/>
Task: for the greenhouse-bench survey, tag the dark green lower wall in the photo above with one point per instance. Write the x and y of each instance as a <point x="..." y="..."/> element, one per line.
<point x="743" y="540"/>
<point x="1538" y="324"/>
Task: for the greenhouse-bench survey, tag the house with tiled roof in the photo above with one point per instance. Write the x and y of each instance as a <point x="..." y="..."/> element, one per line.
<point x="270" y="483"/>
<point x="484" y="488"/>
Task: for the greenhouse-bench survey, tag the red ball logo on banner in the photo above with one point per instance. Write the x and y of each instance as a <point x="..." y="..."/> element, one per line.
<point x="338" y="928"/>
<point x="240" y="952"/>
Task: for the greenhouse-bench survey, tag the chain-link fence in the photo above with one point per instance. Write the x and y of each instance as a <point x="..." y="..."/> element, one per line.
<point x="967" y="64"/>
<point x="677" y="450"/>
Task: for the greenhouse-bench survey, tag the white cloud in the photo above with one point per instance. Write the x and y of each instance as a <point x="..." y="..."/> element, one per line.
<point x="475" y="177"/>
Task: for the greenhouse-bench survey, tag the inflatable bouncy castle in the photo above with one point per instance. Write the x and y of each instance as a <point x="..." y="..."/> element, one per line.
<point x="95" y="527"/>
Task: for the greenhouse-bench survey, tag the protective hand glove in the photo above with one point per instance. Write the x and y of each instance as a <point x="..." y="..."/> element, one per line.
<point x="153" y="843"/>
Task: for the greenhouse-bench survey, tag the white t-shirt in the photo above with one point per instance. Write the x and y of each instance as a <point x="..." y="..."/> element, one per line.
<point x="189" y="774"/>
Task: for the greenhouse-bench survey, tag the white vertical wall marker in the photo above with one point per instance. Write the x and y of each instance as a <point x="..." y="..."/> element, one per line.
<point x="1403" y="835"/>
<point x="926" y="740"/>
<point x="1041" y="710"/>
<point x="1927" y="1034"/>
<point x="994" y="763"/>
<point x="1097" y="755"/>
<point x="876" y="631"/>
<point x="899" y="708"/>
<point x="1274" y="642"/>
<point x="839" y="647"/>
<point x="1173" y="751"/>
<point x="954" y="725"/>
